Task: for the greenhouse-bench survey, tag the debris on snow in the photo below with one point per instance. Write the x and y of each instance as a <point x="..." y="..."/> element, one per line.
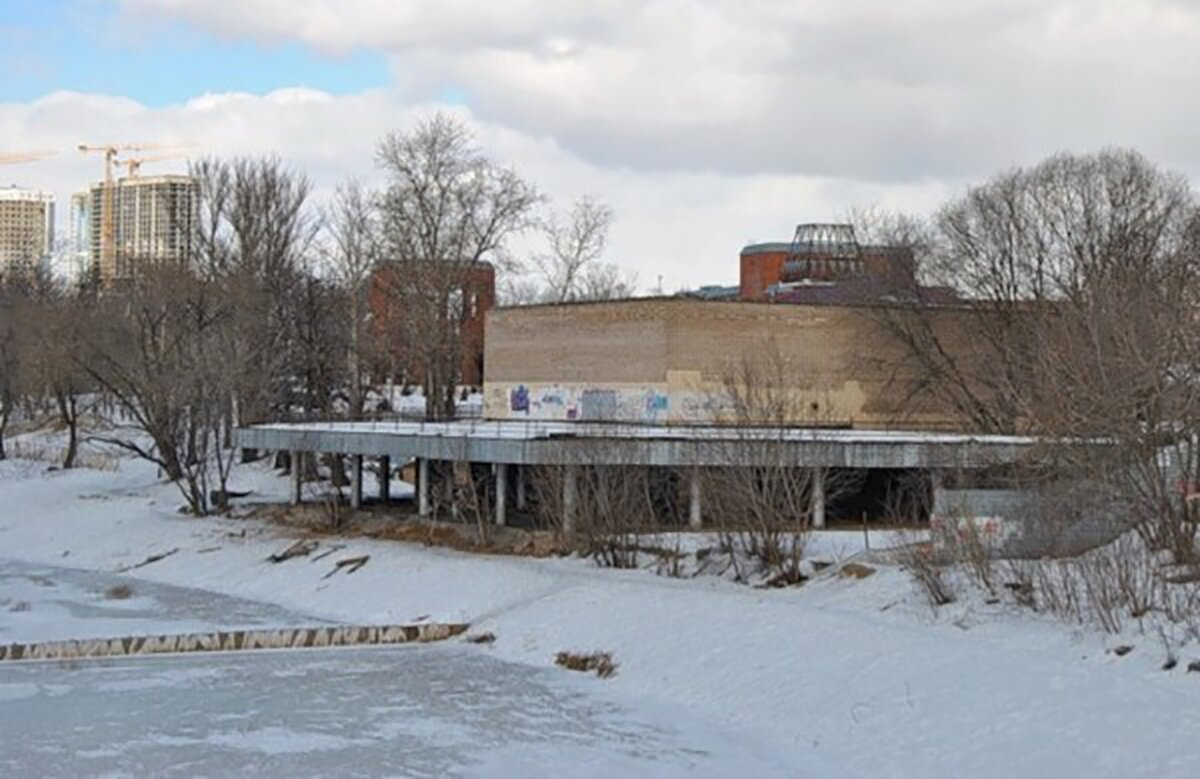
<point x="329" y="551"/>
<point x="154" y="558"/>
<point x="349" y="565"/>
<point x="301" y="548"/>
<point x="599" y="662"/>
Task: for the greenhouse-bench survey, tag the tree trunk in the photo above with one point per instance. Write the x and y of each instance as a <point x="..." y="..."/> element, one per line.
<point x="66" y="412"/>
<point x="337" y="471"/>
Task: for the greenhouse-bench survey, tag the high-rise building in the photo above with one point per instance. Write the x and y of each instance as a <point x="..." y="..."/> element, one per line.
<point x="153" y="222"/>
<point x="79" y="235"/>
<point x="26" y="230"/>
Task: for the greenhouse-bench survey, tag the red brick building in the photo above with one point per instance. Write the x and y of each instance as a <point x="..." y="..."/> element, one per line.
<point x="470" y="290"/>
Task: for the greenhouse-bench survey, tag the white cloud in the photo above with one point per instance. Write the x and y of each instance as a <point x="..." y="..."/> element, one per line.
<point x="844" y="88"/>
<point x="706" y="123"/>
<point x="685" y="226"/>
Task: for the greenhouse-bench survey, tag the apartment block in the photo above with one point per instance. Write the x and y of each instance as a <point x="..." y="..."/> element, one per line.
<point x="26" y="230"/>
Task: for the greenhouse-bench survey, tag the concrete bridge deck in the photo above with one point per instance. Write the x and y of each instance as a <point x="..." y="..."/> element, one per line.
<point x="565" y="443"/>
<point x="509" y="447"/>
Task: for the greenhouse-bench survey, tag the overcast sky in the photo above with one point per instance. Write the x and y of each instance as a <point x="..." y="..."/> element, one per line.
<point x="706" y="124"/>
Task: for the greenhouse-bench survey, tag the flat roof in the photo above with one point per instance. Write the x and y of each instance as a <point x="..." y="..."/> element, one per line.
<point x="530" y="430"/>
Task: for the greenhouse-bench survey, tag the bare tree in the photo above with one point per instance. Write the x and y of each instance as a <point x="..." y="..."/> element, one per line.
<point x="13" y="373"/>
<point x="56" y="331"/>
<point x="446" y="209"/>
<point x="612" y="507"/>
<point x="765" y="499"/>
<point x="353" y="254"/>
<point x="518" y="289"/>
<point x="255" y="233"/>
<point x="156" y="349"/>
<point x="1080" y="278"/>
<point x="572" y="268"/>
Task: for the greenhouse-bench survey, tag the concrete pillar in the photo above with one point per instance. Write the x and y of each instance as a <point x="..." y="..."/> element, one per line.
<point x="938" y="478"/>
<point x="520" y="474"/>
<point x="297" y="478"/>
<point x="385" y="479"/>
<point x="695" y="517"/>
<point x="818" y="497"/>
<point x="501" y="493"/>
<point x="423" y="487"/>
<point x="356" y="487"/>
<point x="570" y="494"/>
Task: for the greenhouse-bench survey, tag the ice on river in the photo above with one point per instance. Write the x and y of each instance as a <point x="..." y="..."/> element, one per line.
<point x="407" y="711"/>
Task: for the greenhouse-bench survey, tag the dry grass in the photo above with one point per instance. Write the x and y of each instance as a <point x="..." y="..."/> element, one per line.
<point x="856" y="571"/>
<point x="119" y="592"/>
<point x="601" y="663"/>
<point x="927" y="573"/>
<point x="53" y="455"/>
<point x="390" y="525"/>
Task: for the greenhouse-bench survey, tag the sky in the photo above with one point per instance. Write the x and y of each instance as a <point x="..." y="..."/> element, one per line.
<point x="705" y="124"/>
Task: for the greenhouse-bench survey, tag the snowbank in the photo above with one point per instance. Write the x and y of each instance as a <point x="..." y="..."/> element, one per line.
<point x="858" y="676"/>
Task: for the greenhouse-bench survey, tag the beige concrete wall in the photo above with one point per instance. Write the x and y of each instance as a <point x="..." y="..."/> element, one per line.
<point x="670" y="361"/>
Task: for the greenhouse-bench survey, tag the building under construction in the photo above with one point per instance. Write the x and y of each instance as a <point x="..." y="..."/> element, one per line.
<point x="153" y="222"/>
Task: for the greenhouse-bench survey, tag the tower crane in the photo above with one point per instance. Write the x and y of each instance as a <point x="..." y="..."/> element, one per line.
<point x="13" y="158"/>
<point x="133" y="165"/>
<point x="110" y="152"/>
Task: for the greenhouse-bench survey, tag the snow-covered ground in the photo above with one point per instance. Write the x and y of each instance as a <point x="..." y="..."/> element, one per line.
<point x="839" y="677"/>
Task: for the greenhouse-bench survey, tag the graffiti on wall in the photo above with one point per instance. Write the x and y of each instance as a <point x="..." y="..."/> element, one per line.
<point x="954" y="530"/>
<point x="656" y="405"/>
<point x="519" y="399"/>
<point x="597" y="404"/>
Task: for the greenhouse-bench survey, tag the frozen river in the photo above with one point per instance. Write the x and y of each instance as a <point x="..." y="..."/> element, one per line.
<point x="46" y="603"/>
<point x="432" y="710"/>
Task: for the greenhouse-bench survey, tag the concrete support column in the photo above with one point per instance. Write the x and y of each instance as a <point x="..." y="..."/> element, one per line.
<point x="297" y="478"/>
<point x="385" y="479"/>
<point x="520" y="474"/>
<point x="937" y="483"/>
<point x="356" y="481"/>
<point x="501" y="493"/>
<point x="570" y="496"/>
<point x="818" y="497"/>
<point x="423" y="487"/>
<point x="695" y="517"/>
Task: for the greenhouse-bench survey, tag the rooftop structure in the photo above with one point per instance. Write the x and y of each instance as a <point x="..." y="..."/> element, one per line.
<point x="823" y="254"/>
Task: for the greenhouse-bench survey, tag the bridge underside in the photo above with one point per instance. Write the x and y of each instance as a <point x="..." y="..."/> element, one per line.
<point x="509" y="451"/>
